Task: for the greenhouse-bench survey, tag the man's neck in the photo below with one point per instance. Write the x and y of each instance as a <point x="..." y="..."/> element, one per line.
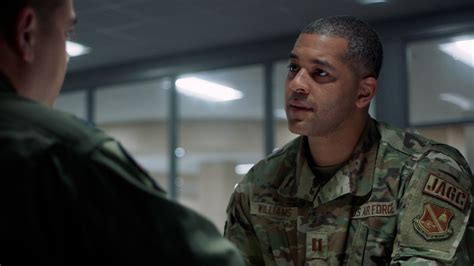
<point x="338" y="146"/>
<point x="22" y="80"/>
<point x="9" y="68"/>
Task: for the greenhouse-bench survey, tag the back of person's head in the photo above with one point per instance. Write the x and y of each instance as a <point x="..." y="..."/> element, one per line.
<point x="10" y="10"/>
<point x="33" y="35"/>
<point x="364" y="51"/>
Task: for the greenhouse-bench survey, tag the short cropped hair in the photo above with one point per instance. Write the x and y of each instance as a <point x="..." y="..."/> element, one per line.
<point x="364" y="51"/>
<point x="10" y="9"/>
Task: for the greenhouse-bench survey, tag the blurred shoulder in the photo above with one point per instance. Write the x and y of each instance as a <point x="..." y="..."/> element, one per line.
<point x="29" y="127"/>
<point x="426" y="152"/>
<point x="280" y="163"/>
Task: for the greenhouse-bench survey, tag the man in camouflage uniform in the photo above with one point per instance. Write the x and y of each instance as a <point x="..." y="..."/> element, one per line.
<point x="350" y="190"/>
<point x="70" y="194"/>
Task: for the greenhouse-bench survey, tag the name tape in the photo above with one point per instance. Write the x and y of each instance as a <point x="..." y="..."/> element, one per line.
<point x="274" y="211"/>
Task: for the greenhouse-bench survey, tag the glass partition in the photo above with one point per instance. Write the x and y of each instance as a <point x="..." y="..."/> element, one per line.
<point x="441" y="80"/>
<point x="220" y="135"/>
<point x="136" y="115"/>
<point x="72" y="102"/>
<point x="441" y="90"/>
<point x="283" y="135"/>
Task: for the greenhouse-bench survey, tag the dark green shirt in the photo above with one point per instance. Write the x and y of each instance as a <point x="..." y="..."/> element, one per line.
<point x="322" y="173"/>
<point x="71" y="195"/>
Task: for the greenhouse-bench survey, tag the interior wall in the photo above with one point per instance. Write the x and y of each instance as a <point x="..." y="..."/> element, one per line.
<point x="213" y="149"/>
<point x="460" y="137"/>
<point x="150" y="137"/>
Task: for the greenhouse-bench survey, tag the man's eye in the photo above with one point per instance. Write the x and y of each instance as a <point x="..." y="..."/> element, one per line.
<point x="321" y="73"/>
<point x="292" y="68"/>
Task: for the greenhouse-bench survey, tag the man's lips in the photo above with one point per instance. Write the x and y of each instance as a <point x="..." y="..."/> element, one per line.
<point x="300" y="108"/>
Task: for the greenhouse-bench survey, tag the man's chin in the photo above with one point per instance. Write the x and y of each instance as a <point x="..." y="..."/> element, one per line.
<point x="297" y="127"/>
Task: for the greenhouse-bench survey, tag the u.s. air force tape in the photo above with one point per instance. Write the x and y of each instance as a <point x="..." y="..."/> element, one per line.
<point x="371" y="209"/>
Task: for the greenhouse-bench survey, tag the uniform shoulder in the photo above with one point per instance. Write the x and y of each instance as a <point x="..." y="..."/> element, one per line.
<point x="421" y="148"/>
<point x="404" y="141"/>
<point x="281" y="161"/>
<point x="24" y="122"/>
<point x="448" y="160"/>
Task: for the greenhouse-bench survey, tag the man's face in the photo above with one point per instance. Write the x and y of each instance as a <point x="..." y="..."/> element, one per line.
<point x="51" y="56"/>
<point x="321" y="89"/>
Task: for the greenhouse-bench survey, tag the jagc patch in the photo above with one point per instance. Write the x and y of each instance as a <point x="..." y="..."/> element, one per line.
<point x="435" y="211"/>
<point x="446" y="191"/>
<point x="434" y="223"/>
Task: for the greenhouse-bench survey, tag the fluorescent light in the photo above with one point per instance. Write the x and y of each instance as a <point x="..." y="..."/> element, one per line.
<point x="462" y="102"/>
<point x="460" y="50"/>
<point x="370" y="2"/>
<point x="76" y="49"/>
<point x="242" y="169"/>
<point x="206" y="90"/>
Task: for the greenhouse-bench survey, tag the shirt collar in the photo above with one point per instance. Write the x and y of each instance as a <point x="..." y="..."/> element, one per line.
<point x="5" y="84"/>
<point x="354" y="178"/>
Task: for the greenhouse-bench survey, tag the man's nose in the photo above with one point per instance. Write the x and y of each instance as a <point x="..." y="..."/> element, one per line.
<point x="300" y="83"/>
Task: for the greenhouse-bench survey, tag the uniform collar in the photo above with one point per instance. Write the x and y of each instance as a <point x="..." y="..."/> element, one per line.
<point x="354" y="178"/>
<point x="5" y="84"/>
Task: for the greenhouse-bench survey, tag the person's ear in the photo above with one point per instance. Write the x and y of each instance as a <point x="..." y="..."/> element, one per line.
<point x="25" y="35"/>
<point x="367" y="90"/>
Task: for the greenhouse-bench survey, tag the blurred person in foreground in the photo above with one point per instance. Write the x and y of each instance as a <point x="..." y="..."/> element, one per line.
<point x="350" y="190"/>
<point x="70" y="194"/>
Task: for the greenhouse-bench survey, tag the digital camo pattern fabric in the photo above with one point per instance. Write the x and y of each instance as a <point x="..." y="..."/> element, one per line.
<point x="401" y="199"/>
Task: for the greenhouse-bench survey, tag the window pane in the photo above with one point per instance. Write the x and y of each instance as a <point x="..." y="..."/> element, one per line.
<point x="217" y="135"/>
<point x="72" y="102"/>
<point x="136" y="115"/>
<point x="460" y="136"/>
<point x="440" y="80"/>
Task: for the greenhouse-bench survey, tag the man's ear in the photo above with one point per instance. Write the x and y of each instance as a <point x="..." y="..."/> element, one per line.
<point x="367" y="90"/>
<point x="26" y="33"/>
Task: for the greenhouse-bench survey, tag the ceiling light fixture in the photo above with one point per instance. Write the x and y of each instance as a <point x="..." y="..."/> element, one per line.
<point x="371" y="2"/>
<point x="460" y="50"/>
<point x="462" y="102"/>
<point x="206" y="90"/>
<point x="76" y="49"/>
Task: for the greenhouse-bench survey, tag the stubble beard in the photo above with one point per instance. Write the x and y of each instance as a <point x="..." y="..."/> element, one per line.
<point x="316" y="126"/>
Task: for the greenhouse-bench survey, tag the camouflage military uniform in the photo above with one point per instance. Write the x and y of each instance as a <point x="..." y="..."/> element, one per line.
<point x="400" y="199"/>
<point x="70" y="195"/>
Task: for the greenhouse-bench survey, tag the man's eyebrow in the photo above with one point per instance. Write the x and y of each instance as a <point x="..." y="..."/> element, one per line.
<point x="323" y="63"/>
<point x="315" y="61"/>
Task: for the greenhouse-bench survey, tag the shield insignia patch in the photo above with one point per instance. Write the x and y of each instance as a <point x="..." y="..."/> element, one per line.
<point x="434" y="223"/>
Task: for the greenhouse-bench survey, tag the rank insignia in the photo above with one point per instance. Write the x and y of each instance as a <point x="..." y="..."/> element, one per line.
<point x="316" y="245"/>
<point x="434" y="223"/>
